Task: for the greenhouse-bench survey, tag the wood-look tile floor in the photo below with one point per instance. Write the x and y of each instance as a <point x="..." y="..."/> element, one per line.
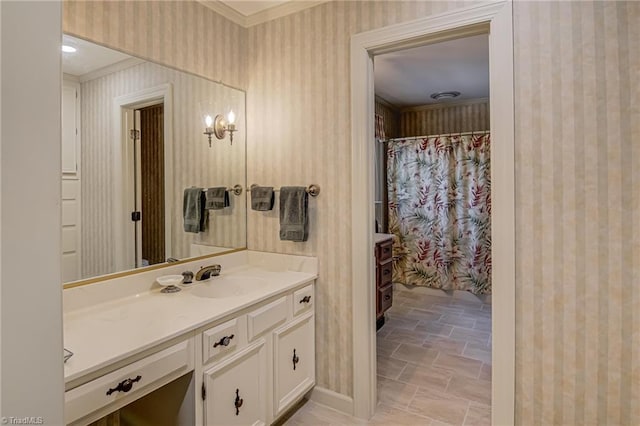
<point x="434" y="365"/>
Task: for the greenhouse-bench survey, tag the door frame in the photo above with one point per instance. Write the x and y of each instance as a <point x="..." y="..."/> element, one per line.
<point x="121" y="165"/>
<point x="496" y="19"/>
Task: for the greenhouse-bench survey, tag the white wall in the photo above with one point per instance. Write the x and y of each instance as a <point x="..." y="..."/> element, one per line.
<point x="31" y="299"/>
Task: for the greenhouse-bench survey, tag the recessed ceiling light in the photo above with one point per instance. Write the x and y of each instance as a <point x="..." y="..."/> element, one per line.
<point x="445" y="95"/>
<point x="68" y="49"/>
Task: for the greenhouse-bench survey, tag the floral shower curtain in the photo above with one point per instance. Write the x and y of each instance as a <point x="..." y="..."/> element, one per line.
<point x="440" y="210"/>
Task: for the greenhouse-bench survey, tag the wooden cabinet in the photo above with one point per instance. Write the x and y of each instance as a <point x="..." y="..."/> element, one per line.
<point x="269" y="362"/>
<point x="236" y="389"/>
<point x="384" y="273"/>
<point x="293" y="362"/>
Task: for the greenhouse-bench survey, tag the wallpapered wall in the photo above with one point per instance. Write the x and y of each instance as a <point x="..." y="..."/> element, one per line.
<point x="391" y="117"/>
<point x="181" y="34"/>
<point x="577" y="242"/>
<point x="299" y="131"/>
<point x="437" y="119"/>
<point x="194" y="163"/>
<point x="577" y="203"/>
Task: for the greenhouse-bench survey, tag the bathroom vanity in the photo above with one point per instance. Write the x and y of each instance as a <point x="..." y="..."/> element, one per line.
<point x="238" y="348"/>
<point x="384" y="272"/>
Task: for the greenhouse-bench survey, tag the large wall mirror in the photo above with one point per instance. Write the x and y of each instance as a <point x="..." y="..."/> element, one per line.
<point x="133" y="141"/>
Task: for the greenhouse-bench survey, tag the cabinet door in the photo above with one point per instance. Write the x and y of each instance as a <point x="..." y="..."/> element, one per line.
<point x="294" y="362"/>
<point x="236" y="389"/>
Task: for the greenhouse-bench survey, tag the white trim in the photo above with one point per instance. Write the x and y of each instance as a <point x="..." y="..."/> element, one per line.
<point x="225" y="11"/>
<point x="263" y="16"/>
<point x="331" y="399"/>
<point x="110" y="69"/>
<point x="445" y="105"/>
<point x="497" y="18"/>
<point x="163" y="93"/>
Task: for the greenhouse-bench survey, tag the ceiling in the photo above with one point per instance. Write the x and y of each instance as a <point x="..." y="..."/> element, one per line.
<point x="89" y="57"/>
<point x="407" y="78"/>
<point x="248" y="8"/>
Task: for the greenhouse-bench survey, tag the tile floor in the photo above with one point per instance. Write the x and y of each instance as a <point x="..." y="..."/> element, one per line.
<point x="434" y="365"/>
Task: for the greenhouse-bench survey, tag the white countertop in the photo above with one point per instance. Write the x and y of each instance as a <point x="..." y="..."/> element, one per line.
<point x="378" y="237"/>
<point x="102" y="334"/>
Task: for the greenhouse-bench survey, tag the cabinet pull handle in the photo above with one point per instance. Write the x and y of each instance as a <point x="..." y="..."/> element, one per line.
<point x="386" y="271"/>
<point x="238" y="402"/>
<point x="124" y="386"/>
<point x="387" y="297"/>
<point x="296" y="359"/>
<point x="224" y="341"/>
<point x="305" y="299"/>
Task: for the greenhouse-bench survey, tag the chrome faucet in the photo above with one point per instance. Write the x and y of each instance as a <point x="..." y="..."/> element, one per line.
<point x="207" y="272"/>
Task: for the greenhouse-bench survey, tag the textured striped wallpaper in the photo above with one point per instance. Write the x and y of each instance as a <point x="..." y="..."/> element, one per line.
<point x="299" y="133"/>
<point x="194" y="163"/>
<point x="181" y="34"/>
<point x="578" y="213"/>
<point x="443" y="118"/>
<point x="391" y="118"/>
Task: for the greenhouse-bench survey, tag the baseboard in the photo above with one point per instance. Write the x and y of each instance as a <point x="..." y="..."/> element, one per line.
<point x="455" y="294"/>
<point x="332" y="399"/>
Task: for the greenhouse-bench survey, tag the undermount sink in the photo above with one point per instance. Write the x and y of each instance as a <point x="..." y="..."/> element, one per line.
<point x="223" y="287"/>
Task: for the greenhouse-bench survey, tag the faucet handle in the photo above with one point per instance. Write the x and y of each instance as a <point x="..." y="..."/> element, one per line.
<point x="215" y="270"/>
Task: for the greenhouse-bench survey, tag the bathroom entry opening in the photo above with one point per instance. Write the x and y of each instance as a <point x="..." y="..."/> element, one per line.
<point x="496" y="19"/>
<point x="143" y="174"/>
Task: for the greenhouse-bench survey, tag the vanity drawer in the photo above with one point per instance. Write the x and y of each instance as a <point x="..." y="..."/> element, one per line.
<point x="303" y="300"/>
<point x="220" y="340"/>
<point x="384" y="250"/>
<point x="385" y="274"/>
<point x="266" y="317"/>
<point x="386" y="297"/>
<point x="134" y="380"/>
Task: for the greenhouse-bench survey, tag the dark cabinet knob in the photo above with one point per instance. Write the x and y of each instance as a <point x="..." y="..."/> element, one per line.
<point x="387" y="297"/>
<point x="295" y="360"/>
<point x="238" y="402"/>
<point x="224" y="341"/>
<point x="305" y="299"/>
<point x="124" y="386"/>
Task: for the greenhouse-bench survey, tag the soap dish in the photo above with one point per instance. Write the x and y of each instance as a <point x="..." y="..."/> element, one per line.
<point x="169" y="282"/>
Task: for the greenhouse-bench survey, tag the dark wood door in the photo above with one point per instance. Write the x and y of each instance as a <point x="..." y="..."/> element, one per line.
<point x="152" y="183"/>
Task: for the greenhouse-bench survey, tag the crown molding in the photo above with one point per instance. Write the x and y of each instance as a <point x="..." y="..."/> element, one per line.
<point x="444" y="105"/>
<point x="266" y="15"/>
<point x="226" y="11"/>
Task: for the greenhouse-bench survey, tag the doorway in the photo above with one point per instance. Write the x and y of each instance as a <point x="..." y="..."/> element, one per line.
<point x="433" y="146"/>
<point x="496" y="19"/>
<point x="143" y="153"/>
<point x="149" y="187"/>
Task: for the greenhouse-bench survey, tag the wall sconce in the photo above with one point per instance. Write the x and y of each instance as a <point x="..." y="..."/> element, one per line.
<point x="220" y="125"/>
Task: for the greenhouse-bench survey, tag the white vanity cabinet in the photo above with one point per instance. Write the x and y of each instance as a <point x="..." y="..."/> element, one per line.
<point x="197" y="357"/>
<point x="294" y="362"/>
<point x="266" y="367"/>
<point x="111" y="391"/>
<point x="236" y="388"/>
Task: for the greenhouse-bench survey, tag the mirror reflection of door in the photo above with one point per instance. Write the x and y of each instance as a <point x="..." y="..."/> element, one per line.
<point x="148" y="186"/>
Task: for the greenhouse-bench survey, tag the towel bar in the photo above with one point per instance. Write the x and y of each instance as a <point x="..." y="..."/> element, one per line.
<point x="313" y="189"/>
<point x="236" y="190"/>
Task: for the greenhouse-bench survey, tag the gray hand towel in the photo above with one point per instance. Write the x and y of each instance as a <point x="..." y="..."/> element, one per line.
<point x="294" y="203"/>
<point x="217" y="198"/>
<point x="262" y="198"/>
<point x="193" y="210"/>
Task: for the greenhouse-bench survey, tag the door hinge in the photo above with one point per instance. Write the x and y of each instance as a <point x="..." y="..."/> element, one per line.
<point x="134" y="134"/>
<point x="135" y="216"/>
<point x="204" y="392"/>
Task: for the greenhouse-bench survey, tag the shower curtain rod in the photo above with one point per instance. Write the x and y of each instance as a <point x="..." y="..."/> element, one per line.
<point x="477" y="132"/>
